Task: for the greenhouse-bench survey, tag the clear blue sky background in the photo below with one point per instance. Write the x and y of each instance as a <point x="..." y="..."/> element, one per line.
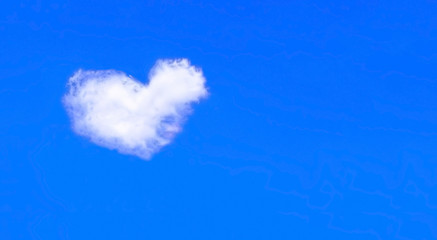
<point x="321" y="123"/>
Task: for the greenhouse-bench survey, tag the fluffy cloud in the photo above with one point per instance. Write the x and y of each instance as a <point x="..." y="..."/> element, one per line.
<point x="116" y="111"/>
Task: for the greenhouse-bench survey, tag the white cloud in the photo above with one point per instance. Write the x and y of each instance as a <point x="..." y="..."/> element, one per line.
<point x="116" y="111"/>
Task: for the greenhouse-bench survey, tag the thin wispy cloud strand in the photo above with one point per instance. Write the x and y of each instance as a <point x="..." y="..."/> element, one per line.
<point x="116" y="111"/>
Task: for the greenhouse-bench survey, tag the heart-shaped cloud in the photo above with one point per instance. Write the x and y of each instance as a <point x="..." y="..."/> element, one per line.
<point x="116" y="111"/>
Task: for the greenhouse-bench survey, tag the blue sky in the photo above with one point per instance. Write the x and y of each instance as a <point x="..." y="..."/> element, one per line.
<point x="321" y="121"/>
